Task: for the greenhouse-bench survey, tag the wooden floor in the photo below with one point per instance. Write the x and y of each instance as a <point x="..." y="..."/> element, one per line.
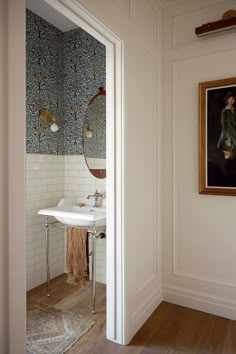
<point x="171" y="329"/>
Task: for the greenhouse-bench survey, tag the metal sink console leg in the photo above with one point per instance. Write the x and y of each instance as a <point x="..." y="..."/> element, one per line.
<point x="93" y="234"/>
<point x="47" y="256"/>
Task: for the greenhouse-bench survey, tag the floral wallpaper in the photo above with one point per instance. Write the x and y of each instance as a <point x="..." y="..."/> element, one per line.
<point x="63" y="73"/>
<point x="44" y="84"/>
<point x="84" y="73"/>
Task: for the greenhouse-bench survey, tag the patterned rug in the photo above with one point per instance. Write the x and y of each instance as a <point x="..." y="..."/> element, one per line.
<point x="53" y="331"/>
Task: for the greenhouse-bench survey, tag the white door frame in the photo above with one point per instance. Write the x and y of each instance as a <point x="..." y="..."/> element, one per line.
<point x="115" y="229"/>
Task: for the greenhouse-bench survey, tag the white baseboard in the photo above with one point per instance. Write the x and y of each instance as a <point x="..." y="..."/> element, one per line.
<point x="200" y="301"/>
<point x="143" y="313"/>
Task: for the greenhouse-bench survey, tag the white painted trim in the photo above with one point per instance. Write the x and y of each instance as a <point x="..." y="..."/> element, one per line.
<point x="128" y="9"/>
<point x="148" y="307"/>
<point x="115" y="194"/>
<point x="119" y="245"/>
<point x="200" y="301"/>
<point x="201" y="278"/>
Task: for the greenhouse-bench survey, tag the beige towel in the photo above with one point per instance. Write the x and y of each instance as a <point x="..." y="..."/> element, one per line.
<point x="77" y="256"/>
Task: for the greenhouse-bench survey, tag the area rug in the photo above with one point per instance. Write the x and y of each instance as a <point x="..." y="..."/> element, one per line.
<point x="53" y="331"/>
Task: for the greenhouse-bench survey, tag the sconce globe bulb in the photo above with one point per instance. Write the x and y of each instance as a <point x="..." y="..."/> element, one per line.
<point x="54" y="127"/>
<point x="88" y="134"/>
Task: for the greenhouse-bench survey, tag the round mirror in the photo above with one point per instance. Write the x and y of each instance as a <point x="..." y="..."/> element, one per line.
<point x="94" y="135"/>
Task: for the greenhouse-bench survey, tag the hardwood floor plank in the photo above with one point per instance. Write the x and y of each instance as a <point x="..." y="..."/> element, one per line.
<point x="77" y="300"/>
<point x="147" y="331"/>
<point x="171" y="329"/>
<point x="230" y="340"/>
<point x="190" y="331"/>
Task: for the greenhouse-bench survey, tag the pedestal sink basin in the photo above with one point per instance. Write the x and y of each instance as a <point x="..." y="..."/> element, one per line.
<point x="68" y="213"/>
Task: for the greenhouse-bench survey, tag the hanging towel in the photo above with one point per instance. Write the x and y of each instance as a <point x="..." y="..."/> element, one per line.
<point x="77" y="256"/>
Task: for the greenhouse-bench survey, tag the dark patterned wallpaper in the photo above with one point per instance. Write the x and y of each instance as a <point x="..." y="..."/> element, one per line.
<point x="44" y="84"/>
<point x="63" y="73"/>
<point x="85" y="72"/>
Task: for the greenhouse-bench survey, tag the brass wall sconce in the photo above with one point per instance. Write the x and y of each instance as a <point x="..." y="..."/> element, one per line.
<point x="48" y="117"/>
<point x="227" y="22"/>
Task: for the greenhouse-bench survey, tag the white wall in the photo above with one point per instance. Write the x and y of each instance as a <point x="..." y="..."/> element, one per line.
<point x="199" y="243"/>
<point x="138" y="24"/>
<point x="3" y="178"/>
<point x="16" y="154"/>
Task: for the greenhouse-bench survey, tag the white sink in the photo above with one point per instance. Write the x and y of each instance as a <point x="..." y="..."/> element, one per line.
<point x="68" y="213"/>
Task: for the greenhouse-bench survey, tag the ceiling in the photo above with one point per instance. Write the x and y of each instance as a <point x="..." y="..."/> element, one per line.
<point x="42" y="9"/>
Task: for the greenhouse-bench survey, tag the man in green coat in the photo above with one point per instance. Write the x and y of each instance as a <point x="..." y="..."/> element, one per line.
<point x="227" y="140"/>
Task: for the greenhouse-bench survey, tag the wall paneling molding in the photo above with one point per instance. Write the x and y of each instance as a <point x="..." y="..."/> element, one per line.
<point x="147" y="25"/>
<point x="198" y="234"/>
<point x="219" y="306"/>
<point x="176" y="271"/>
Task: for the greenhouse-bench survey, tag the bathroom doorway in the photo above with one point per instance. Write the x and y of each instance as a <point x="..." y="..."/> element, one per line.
<point x="66" y="165"/>
<point x="35" y="173"/>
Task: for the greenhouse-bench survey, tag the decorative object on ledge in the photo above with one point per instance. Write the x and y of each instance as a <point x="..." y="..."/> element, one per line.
<point x="217" y="137"/>
<point x="48" y="117"/>
<point x="227" y="22"/>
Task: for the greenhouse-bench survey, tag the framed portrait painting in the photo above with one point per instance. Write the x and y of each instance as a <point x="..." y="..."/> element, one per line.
<point x="217" y="137"/>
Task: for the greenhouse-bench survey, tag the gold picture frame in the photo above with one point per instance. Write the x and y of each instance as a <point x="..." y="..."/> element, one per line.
<point x="217" y="137"/>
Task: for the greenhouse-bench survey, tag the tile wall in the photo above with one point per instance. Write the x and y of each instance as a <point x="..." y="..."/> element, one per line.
<point x="79" y="182"/>
<point x="44" y="188"/>
<point x="48" y="179"/>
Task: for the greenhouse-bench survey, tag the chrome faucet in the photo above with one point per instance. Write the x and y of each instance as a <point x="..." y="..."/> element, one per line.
<point x="96" y="195"/>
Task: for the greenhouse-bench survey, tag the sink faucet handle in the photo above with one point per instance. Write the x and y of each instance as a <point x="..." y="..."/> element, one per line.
<point x="96" y="195"/>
